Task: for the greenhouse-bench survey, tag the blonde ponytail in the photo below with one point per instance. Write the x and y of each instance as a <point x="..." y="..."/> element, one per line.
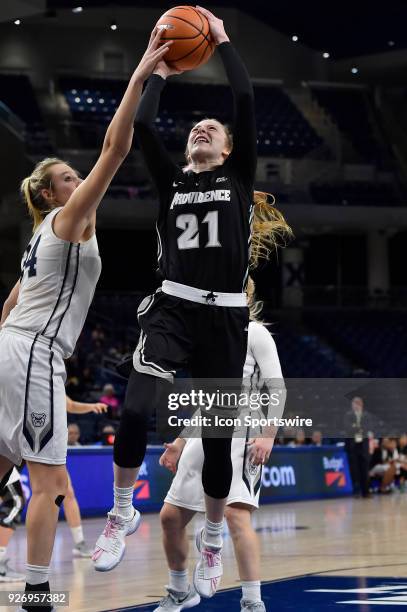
<point x="270" y="230"/>
<point x="32" y="186"/>
<point x="36" y="214"/>
<point x="255" y="306"/>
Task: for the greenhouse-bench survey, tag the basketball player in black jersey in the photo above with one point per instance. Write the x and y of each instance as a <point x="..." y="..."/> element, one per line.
<point x="199" y="317"/>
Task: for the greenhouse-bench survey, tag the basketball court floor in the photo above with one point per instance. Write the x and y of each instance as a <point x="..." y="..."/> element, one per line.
<point x="342" y="554"/>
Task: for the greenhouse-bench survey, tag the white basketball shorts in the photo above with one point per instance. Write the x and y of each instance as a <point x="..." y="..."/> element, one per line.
<point x="33" y="424"/>
<point x="186" y="489"/>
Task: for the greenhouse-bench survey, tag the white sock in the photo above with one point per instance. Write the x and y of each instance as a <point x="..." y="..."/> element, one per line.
<point x="3" y="551"/>
<point x="251" y="590"/>
<point x="123" y="497"/>
<point x="212" y="535"/>
<point x="179" y="580"/>
<point x="77" y="534"/>
<point x="37" y="574"/>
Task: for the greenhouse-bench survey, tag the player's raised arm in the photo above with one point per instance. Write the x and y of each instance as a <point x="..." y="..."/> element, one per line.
<point x="244" y="154"/>
<point x="158" y="161"/>
<point x="79" y="212"/>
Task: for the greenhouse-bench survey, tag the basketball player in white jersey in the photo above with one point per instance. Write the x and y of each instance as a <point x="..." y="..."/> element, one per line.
<point x="44" y="316"/>
<point x="186" y="497"/>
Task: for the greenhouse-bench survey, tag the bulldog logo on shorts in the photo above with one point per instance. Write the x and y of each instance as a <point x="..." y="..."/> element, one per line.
<point x="38" y="419"/>
<point x="253" y="469"/>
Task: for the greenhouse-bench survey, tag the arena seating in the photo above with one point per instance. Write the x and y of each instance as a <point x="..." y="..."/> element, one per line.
<point x="17" y="93"/>
<point x="349" y="108"/>
<point x="282" y="130"/>
<point x="375" y="340"/>
<point x="356" y="193"/>
<point x="305" y="354"/>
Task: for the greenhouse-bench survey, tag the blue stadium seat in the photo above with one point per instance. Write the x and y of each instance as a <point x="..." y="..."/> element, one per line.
<point x="282" y="130"/>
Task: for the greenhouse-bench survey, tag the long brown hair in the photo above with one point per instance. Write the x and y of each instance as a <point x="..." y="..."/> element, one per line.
<point x="32" y="186"/>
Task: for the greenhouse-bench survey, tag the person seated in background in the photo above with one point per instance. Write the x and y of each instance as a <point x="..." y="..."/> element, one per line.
<point x="95" y="357"/>
<point x="107" y="436"/>
<point x="299" y="440"/>
<point x="384" y="464"/>
<point x="74" y="433"/>
<point x="112" y="402"/>
<point x="98" y="333"/>
<point x="316" y="438"/>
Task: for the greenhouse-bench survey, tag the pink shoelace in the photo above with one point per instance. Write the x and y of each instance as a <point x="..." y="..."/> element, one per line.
<point x="212" y="558"/>
<point x="109" y="531"/>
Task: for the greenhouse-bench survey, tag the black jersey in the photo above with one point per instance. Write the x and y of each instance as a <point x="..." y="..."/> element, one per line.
<point x="204" y="218"/>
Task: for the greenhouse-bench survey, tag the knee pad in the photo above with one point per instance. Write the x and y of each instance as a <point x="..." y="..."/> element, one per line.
<point x="131" y="440"/>
<point x="6" y="524"/>
<point x="218" y="487"/>
<point x="59" y="499"/>
<point x="217" y="469"/>
<point x="12" y="506"/>
<point x="4" y="480"/>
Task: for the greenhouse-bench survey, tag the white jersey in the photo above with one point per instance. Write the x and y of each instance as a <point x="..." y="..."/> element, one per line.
<point x="262" y="360"/>
<point x="186" y="491"/>
<point x="57" y="284"/>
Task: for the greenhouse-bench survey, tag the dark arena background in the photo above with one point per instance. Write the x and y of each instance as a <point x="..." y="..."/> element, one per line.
<point x="331" y="110"/>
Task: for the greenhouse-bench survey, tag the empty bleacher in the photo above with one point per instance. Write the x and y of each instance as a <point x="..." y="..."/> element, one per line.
<point x="376" y="340"/>
<point x="349" y="108"/>
<point x="355" y="193"/>
<point x="282" y="130"/>
<point x="17" y="93"/>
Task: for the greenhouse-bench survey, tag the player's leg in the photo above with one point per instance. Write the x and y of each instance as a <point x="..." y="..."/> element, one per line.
<point x="163" y="347"/>
<point x="388" y="478"/>
<point x="142" y="394"/>
<point x="222" y="356"/>
<point x="49" y="486"/>
<point x="247" y="552"/>
<point x="174" y="521"/>
<point x="12" y="498"/>
<point x="73" y="518"/>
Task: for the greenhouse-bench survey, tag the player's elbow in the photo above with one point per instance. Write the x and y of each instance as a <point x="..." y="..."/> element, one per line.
<point x="118" y="150"/>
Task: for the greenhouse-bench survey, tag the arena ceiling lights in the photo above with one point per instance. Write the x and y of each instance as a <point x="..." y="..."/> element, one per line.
<point x="346" y="30"/>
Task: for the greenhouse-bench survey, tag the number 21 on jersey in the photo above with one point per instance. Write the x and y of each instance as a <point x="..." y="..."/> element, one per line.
<point x="189" y="239"/>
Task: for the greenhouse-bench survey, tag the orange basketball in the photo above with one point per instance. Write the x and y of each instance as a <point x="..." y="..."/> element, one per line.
<point x="189" y="30"/>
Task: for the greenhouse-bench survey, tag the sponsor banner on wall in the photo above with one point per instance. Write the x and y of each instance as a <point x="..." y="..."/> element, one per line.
<point x="306" y="473"/>
<point x="292" y="473"/>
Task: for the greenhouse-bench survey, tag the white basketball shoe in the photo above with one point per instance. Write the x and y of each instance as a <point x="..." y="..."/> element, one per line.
<point x="176" y="601"/>
<point x="208" y="571"/>
<point x="110" y="546"/>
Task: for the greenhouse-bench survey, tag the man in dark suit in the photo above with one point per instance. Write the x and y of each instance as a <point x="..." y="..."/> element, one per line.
<point x="357" y="425"/>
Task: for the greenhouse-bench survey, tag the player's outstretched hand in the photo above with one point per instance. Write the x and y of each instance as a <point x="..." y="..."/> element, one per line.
<point x="154" y="53"/>
<point x="170" y="456"/>
<point x="260" y="450"/>
<point x="98" y="408"/>
<point x="165" y="70"/>
<point x="216" y="26"/>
